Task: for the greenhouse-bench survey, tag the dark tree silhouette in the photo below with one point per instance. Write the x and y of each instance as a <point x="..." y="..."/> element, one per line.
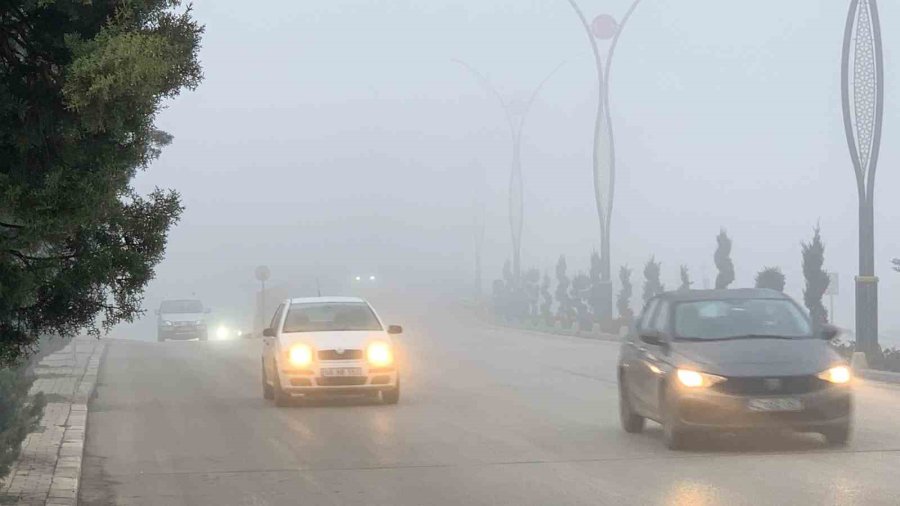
<point x="771" y="278"/>
<point x="580" y="296"/>
<point x="564" y="308"/>
<point x="623" y="302"/>
<point x="685" y="279"/>
<point x="652" y="285"/>
<point x="723" y="261"/>
<point x="547" y="302"/>
<point x="816" y="279"/>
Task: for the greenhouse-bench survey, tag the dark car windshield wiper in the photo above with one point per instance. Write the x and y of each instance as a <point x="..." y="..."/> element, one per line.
<point x="738" y="338"/>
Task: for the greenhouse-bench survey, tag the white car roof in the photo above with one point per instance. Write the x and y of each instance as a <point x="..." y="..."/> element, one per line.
<point x="327" y="300"/>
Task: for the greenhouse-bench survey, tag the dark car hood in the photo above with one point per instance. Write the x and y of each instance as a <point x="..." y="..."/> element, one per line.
<point x="756" y="357"/>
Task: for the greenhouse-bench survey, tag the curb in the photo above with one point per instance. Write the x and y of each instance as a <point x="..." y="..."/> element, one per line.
<point x="882" y="376"/>
<point x="548" y="332"/>
<point x="48" y="470"/>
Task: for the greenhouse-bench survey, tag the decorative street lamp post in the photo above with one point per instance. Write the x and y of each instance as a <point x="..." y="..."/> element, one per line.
<point x="604" y="27"/>
<point x="862" y="93"/>
<point x="516" y="117"/>
<point x="478" y="225"/>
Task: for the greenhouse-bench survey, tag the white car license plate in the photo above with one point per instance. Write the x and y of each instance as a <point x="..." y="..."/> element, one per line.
<point x="341" y="372"/>
<point x="768" y="405"/>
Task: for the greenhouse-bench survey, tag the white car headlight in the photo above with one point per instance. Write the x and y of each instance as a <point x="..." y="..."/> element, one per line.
<point x="379" y="354"/>
<point x="839" y="375"/>
<point x="695" y="379"/>
<point x="222" y="332"/>
<point x="300" y="355"/>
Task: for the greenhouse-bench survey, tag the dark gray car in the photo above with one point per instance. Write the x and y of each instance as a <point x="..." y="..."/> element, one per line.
<point x="729" y="360"/>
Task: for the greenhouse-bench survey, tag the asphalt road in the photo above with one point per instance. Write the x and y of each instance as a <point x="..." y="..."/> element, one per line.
<point x="486" y="417"/>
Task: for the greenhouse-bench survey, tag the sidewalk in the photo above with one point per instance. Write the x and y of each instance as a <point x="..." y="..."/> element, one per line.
<point x="49" y="466"/>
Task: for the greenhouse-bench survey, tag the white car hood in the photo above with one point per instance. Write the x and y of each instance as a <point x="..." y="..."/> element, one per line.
<point x="346" y="340"/>
<point x="182" y="317"/>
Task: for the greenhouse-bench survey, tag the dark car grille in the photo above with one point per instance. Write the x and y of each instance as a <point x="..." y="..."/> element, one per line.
<point x="346" y="355"/>
<point x="771" y="385"/>
<point x="341" y="381"/>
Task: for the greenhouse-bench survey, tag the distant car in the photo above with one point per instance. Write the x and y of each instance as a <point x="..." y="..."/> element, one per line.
<point x="729" y="360"/>
<point x="181" y="320"/>
<point x="329" y="345"/>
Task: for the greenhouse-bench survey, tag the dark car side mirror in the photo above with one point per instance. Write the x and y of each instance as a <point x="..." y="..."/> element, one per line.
<point x="652" y="337"/>
<point x="269" y="332"/>
<point x="829" y="332"/>
<point x="394" y="329"/>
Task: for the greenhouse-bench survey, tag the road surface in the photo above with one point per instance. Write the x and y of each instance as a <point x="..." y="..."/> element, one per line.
<point x="487" y="417"/>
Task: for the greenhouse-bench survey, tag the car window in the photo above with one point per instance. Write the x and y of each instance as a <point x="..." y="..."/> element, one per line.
<point x="715" y="319"/>
<point x="319" y="317"/>
<point x="276" y="319"/>
<point x="661" y="321"/>
<point x="647" y="314"/>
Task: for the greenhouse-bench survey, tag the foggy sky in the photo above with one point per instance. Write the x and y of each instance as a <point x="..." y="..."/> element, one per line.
<point x="338" y="137"/>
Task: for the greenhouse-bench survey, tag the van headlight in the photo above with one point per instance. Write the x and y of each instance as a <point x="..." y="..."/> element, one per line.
<point x="694" y="379"/>
<point x="379" y="354"/>
<point x="839" y="375"/>
<point x="300" y="356"/>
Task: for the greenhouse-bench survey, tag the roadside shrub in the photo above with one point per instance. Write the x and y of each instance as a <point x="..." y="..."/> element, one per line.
<point x="547" y="302"/>
<point x="685" y="279"/>
<point x="564" y="312"/>
<point x="623" y="301"/>
<point x="723" y="261"/>
<point x="652" y="285"/>
<point x="19" y="413"/>
<point x="580" y="296"/>
<point x="816" y="278"/>
<point x="771" y="278"/>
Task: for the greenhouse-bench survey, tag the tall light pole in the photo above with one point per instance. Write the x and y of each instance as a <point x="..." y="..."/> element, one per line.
<point x="604" y="27"/>
<point x="478" y="224"/>
<point x="862" y="94"/>
<point x="516" y="184"/>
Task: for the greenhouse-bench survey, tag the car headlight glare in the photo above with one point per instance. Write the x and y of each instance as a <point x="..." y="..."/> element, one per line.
<point x="694" y="379"/>
<point x="839" y="375"/>
<point x="300" y="355"/>
<point x="222" y="332"/>
<point x="379" y="354"/>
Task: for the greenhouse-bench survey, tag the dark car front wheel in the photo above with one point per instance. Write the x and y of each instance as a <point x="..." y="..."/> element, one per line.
<point x="391" y="396"/>
<point x="268" y="392"/>
<point x="675" y="436"/>
<point x="838" y="435"/>
<point x="631" y="421"/>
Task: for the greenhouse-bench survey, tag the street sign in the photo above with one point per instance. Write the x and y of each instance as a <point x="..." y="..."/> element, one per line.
<point x="262" y="273"/>
<point x="833" y="284"/>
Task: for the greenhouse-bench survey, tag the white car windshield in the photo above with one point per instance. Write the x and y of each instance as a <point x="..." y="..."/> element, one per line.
<point x="722" y="319"/>
<point x="181" y="307"/>
<point x="321" y="317"/>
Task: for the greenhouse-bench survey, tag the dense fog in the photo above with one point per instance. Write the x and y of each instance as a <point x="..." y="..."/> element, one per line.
<point x="336" y="138"/>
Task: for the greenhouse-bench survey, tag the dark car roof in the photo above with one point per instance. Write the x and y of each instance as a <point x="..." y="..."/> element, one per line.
<point x="740" y="293"/>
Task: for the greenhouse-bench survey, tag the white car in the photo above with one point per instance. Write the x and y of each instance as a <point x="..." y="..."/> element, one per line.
<point x="328" y="345"/>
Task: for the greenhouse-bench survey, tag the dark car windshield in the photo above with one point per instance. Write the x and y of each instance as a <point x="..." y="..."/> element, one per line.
<point x="181" y="306"/>
<point x="722" y="319"/>
<point x="320" y="317"/>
